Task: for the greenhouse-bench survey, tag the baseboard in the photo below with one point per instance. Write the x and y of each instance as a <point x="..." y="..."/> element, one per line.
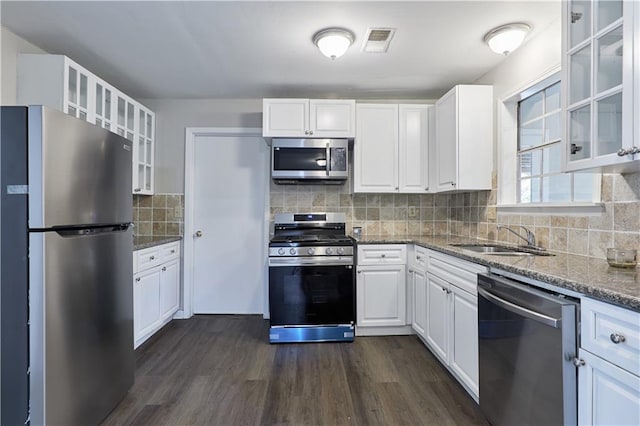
<point x="385" y="331"/>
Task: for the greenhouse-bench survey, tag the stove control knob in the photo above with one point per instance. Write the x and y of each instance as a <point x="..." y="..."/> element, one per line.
<point x="341" y="250"/>
<point x="329" y="251"/>
<point x="292" y="252"/>
<point x="311" y="250"/>
<point x="281" y="251"/>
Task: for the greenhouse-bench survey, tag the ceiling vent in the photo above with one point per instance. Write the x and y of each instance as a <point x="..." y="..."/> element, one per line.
<point x="378" y="39"/>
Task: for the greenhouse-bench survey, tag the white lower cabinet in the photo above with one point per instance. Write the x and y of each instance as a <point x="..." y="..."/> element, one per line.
<point x="156" y="289"/>
<point x="146" y="306"/>
<point x="608" y="381"/>
<point x="381" y="296"/>
<point x="607" y="394"/>
<point x="381" y="290"/>
<point x="419" y="302"/>
<point x="463" y="346"/>
<point x="452" y="316"/>
<point x="438" y="317"/>
<point x="169" y="289"/>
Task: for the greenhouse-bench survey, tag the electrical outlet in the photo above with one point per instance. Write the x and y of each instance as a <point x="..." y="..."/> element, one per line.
<point x="177" y="212"/>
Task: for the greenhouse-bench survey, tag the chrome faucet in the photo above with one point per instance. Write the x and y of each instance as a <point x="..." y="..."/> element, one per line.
<point x="530" y="238"/>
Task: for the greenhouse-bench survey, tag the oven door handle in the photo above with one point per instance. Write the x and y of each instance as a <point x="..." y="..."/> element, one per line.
<point x="520" y="310"/>
<point x="311" y="261"/>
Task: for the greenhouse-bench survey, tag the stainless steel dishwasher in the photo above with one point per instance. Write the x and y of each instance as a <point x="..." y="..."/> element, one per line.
<point x="527" y="342"/>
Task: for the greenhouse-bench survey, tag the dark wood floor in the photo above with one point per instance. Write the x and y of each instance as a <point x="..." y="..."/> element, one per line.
<point x="220" y="369"/>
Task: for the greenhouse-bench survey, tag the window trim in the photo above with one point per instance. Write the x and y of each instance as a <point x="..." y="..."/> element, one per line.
<point x="507" y="151"/>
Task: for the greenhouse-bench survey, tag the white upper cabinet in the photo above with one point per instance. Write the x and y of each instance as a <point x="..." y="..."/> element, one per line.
<point x="332" y="118"/>
<point x="392" y="148"/>
<point x="598" y="55"/>
<point x="375" y="154"/>
<point x="464" y="139"/>
<point x="413" y="161"/>
<point x="315" y="118"/>
<point x="59" y="83"/>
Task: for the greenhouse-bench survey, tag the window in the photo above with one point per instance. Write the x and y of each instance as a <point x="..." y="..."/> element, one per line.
<point x="540" y="179"/>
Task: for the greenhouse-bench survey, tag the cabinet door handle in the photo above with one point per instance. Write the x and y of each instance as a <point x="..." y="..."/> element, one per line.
<point x="310" y="132"/>
<point x="359" y="272"/>
<point x="137" y="190"/>
<point x="152" y="257"/>
<point x="138" y="279"/>
<point x="617" y="338"/>
<point x="173" y="251"/>
<point x="418" y="257"/>
<point x="164" y="268"/>
<point x="383" y="255"/>
<point x="578" y="362"/>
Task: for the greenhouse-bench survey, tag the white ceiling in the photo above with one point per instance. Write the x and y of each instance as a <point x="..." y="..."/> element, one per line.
<point x="239" y="49"/>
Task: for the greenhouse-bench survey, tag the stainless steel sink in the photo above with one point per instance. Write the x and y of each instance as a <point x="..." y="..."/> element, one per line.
<point x="497" y="249"/>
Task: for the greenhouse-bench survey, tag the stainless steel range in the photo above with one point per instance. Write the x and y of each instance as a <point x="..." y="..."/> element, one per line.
<point x="311" y="279"/>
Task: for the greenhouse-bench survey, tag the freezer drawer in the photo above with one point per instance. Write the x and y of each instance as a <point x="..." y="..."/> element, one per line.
<point x="81" y="315"/>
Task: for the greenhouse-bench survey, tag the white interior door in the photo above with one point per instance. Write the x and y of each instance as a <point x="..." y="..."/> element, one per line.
<point x="230" y="181"/>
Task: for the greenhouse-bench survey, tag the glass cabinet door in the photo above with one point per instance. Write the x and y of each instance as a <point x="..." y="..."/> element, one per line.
<point x="77" y="93"/>
<point x="143" y="166"/>
<point x="103" y="106"/>
<point x="598" y="38"/>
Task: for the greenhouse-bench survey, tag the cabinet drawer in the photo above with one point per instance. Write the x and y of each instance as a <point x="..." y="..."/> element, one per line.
<point x="382" y="254"/>
<point x="146" y="258"/>
<point x="419" y="257"/>
<point x="169" y="251"/>
<point x="458" y="272"/>
<point x="604" y="324"/>
<point x="153" y="256"/>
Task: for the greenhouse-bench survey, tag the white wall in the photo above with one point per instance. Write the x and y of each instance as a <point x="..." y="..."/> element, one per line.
<point x="533" y="59"/>
<point x="11" y="46"/>
<point x="174" y="115"/>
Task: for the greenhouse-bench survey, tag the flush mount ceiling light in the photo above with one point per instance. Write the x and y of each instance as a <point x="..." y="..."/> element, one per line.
<point x="506" y="38"/>
<point x="333" y="42"/>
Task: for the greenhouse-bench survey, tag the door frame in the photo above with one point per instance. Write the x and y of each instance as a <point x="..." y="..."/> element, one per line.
<point x="191" y="133"/>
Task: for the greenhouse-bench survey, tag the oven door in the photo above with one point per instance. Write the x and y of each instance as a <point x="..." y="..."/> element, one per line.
<point x="311" y="294"/>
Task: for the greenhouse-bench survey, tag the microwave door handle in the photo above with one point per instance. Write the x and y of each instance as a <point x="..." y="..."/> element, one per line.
<point x="328" y="154"/>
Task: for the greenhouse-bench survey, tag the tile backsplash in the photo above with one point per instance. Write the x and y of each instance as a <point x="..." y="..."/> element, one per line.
<point x="158" y="215"/>
<point x="475" y="215"/>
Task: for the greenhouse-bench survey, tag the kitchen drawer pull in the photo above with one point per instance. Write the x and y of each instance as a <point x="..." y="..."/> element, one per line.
<point x="138" y="279"/>
<point x="152" y="257"/>
<point x="383" y="255"/>
<point x="617" y="338"/>
<point x="173" y="251"/>
<point x="418" y="257"/>
<point x="164" y="268"/>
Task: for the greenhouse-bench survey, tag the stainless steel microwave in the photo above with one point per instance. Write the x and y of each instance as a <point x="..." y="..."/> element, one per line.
<point x="309" y="160"/>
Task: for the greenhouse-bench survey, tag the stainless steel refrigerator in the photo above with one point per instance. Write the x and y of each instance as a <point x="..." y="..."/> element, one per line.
<point x="67" y="294"/>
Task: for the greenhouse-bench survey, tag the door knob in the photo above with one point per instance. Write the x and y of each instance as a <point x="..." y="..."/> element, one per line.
<point x="198" y="234"/>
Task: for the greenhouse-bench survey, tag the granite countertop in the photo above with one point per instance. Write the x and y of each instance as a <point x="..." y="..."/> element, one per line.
<point x="586" y="275"/>
<point x="141" y="242"/>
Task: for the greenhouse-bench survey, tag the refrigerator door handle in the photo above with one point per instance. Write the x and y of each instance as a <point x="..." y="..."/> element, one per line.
<point x="81" y="231"/>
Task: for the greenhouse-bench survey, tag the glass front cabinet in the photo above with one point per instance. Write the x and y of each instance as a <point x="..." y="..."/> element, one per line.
<point x="58" y="82"/>
<point x="600" y="95"/>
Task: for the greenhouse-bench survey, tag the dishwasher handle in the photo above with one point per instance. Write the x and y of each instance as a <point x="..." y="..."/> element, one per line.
<point x="520" y="310"/>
